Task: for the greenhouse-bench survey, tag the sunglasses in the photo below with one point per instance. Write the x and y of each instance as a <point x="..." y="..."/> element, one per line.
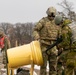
<point x="51" y="15"/>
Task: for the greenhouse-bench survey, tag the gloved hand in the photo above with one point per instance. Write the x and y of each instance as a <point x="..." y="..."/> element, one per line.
<point x="59" y="39"/>
<point x="37" y="37"/>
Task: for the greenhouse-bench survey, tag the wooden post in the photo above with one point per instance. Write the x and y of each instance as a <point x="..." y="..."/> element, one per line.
<point x="12" y="71"/>
<point x="8" y="70"/>
<point x="32" y="67"/>
<point x="16" y="43"/>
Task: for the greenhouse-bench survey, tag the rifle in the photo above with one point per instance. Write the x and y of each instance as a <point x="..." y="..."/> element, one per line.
<point x="59" y="40"/>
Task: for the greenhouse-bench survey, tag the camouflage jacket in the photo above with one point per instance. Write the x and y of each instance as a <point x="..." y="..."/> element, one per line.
<point x="46" y="30"/>
<point x="66" y="36"/>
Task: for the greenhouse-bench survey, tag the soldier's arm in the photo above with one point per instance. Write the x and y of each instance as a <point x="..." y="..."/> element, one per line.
<point x="7" y="43"/>
<point x="37" y="28"/>
<point x="66" y="36"/>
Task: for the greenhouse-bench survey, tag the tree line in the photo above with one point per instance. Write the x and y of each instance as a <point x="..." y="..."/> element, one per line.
<point x="19" y="33"/>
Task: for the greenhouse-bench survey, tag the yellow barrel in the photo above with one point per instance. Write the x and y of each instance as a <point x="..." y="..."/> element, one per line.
<point x="24" y="55"/>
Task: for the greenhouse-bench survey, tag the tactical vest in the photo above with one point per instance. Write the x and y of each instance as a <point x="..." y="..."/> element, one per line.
<point x="49" y="31"/>
<point x="1" y="42"/>
<point x="73" y="29"/>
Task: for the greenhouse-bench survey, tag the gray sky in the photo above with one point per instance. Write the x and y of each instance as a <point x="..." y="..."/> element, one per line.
<point x="23" y="11"/>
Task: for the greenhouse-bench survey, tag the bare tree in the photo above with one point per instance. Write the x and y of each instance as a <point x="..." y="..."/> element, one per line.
<point x="6" y="27"/>
<point x="20" y="33"/>
<point x="68" y="9"/>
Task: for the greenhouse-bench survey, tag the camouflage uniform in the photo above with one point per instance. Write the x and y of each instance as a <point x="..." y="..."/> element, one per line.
<point x="6" y="46"/>
<point x="4" y="50"/>
<point x="46" y="31"/>
<point x="62" y="58"/>
<point x="71" y="57"/>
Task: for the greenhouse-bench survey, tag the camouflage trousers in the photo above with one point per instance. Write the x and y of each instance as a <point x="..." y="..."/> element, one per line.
<point x="61" y="65"/>
<point x="71" y="63"/>
<point x="4" y="58"/>
<point x="51" y="58"/>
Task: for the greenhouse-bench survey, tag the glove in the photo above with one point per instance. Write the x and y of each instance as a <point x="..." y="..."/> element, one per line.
<point x="59" y="39"/>
<point x="37" y="37"/>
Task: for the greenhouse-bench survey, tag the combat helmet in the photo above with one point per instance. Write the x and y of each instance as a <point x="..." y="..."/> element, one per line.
<point x="51" y="10"/>
<point x="58" y="19"/>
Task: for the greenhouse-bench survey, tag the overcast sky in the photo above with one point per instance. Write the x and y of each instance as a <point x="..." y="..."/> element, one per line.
<point x="14" y="11"/>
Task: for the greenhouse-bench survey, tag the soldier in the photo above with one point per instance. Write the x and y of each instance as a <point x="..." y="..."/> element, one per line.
<point x="47" y="32"/>
<point x="4" y="45"/>
<point x="63" y="51"/>
<point x="71" y="57"/>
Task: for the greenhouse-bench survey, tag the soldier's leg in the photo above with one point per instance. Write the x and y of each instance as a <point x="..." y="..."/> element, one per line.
<point x="4" y="59"/>
<point x="59" y="68"/>
<point x="71" y="64"/>
<point x="69" y="70"/>
<point x="52" y="64"/>
<point x="44" y="66"/>
<point x="75" y="70"/>
<point x="61" y="64"/>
